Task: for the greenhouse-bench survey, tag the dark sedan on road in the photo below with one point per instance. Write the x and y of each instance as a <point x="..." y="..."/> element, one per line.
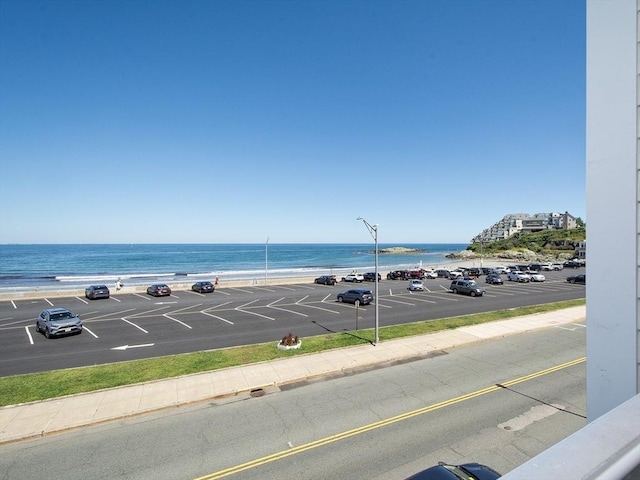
<point x="466" y="471"/>
<point x="58" y="321"/>
<point x="371" y="276"/>
<point x="356" y="295"/>
<point x="578" y="278"/>
<point x="159" y="290"/>
<point x="96" y="291"/>
<point x="203" y="287"/>
<point x="494" y="279"/>
<point x="326" y="280"/>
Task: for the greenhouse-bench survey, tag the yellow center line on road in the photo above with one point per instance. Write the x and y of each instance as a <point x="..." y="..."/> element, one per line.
<point x="372" y="426"/>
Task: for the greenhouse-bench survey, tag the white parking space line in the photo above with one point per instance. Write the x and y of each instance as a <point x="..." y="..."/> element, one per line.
<point x="319" y="308"/>
<point x="265" y="289"/>
<point x="219" y="318"/>
<point x="133" y="324"/>
<point x="47" y="300"/>
<point x="242" y="290"/>
<point x="176" y="320"/>
<point x="215" y="306"/>
<point x="239" y="309"/>
<point x="94" y="335"/>
<point x="14" y="305"/>
<point x="115" y="299"/>
<point x="287" y="310"/>
<point x="420" y="299"/>
<point x="146" y="297"/>
<point x="396" y="301"/>
<point x="82" y="300"/>
<point x="29" y="335"/>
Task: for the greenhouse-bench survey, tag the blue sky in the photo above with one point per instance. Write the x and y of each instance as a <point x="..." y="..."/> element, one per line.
<point x="186" y="121"/>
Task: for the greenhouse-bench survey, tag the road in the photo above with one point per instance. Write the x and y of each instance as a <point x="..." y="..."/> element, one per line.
<point x="135" y="326"/>
<point x="380" y="424"/>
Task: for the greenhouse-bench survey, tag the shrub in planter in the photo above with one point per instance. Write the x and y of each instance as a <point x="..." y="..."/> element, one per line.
<point x="289" y="342"/>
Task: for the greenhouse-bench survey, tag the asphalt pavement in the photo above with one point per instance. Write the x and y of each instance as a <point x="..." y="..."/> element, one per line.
<point x="37" y="419"/>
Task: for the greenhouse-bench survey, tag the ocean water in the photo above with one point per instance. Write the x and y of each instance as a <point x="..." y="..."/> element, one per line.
<point x="26" y="267"/>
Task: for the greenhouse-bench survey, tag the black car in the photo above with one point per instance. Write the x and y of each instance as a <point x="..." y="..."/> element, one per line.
<point x="473" y="272"/>
<point x="356" y="295"/>
<point x="494" y="279"/>
<point x="399" y="275"/>
<point x="578" y="279"/>
<point x="466" y="471"/>
<point x="203" y="287"/>
<point x="572" y="264"/>
<point x="326" y="280"/>
<point x="96" y="291"/>
<point x="371" y="276"/>
<point x="159" y="290"/>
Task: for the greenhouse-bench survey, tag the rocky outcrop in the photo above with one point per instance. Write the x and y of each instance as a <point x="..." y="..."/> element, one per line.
<point x="523" y="255"/>
<point x="400" y="250"/>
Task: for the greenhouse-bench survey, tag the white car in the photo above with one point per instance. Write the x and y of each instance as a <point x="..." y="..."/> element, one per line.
<point x="501" y="269"/>
<point x="455" y="274"/>
<point x="430" y="274"/>
<point x="536" y="276"/>
<point x="353" y="277"/>
<point x="518" y="276"/>
<point x="416" y="285"/>
<point x="557" y="266"/>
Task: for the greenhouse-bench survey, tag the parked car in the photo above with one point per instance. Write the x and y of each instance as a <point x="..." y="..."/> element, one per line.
<point x="456" y="274"/>
<point x="466" y="471"/>
<point x="398" y="275"/>
<point x="467" y="287"/>
<point x="159" y="290"/>
<point x="518" y="276"/>
<point x="203" y="287"/>
<point x="58" y="321"/>
<point x="474" y="272"/>
<point x="430" y="274"/>
<point x="535" y="276"/>
<point x="326" y="280"/>
<point x="443" y="273"/>
<point x="371" y="276"/>
<point x="494" y="279"/>
<point x="353" y="277"/>
<point x="96" y="291"/>
<point x="557" y="266"/>
<point x="572" y="264"/>
<point x="545" y="267"/>
<point x="415" y="285"/>
<point x="356" y="295"/>
<point x="501" y="269"/>
<point x="578" y="279"/>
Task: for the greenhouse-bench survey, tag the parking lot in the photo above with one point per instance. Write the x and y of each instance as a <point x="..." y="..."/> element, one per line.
<point x="134" y="326"/>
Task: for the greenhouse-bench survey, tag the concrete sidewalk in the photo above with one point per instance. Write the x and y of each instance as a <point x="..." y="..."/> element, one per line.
<point x="18" y="422"/>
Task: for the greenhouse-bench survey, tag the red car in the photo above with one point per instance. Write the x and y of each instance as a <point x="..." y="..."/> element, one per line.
<point x="159" y="290"/>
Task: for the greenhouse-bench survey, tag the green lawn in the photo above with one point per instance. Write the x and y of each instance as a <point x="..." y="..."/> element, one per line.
<point x="39" y="386"/>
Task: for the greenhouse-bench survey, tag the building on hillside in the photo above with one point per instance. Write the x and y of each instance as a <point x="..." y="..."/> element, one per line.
<point x="523" y="222"/>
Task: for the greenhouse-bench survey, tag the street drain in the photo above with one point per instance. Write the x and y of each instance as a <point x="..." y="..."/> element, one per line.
<point x="257" y="392"/>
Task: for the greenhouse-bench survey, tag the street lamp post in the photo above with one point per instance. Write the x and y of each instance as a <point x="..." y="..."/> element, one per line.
<point x="373" y="230"/>
<point x="266" y="259"/>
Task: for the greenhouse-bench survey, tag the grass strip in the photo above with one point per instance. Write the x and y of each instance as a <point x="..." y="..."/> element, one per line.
<point x="18" y="389"/>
